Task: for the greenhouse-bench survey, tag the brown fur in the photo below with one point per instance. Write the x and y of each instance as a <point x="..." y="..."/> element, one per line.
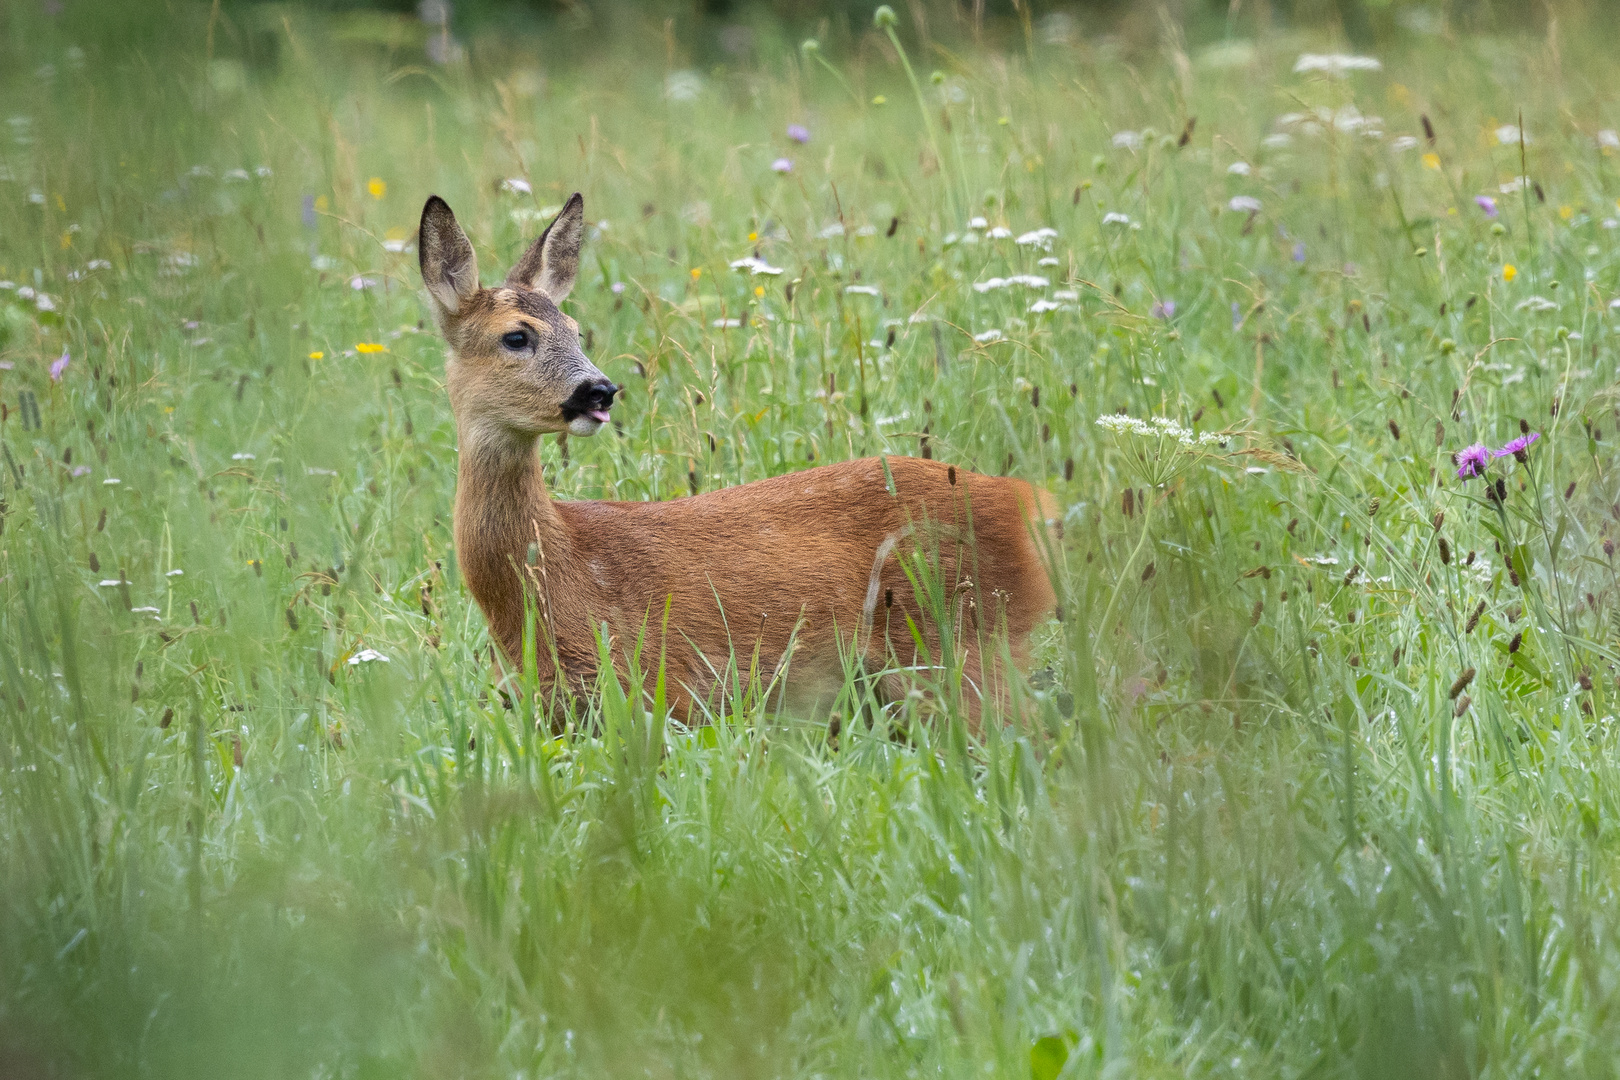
<point x="800" y="570"/>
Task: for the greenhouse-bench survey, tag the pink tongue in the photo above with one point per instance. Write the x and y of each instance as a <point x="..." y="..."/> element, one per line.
<point x="599" y="415"/>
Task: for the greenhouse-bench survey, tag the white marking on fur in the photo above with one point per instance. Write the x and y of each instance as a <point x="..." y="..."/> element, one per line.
<point x="884" y="550"/>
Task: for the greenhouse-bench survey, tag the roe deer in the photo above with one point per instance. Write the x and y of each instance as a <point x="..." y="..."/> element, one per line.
<point x="797" y="573"/>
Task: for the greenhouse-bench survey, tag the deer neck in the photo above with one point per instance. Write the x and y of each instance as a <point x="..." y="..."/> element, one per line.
<point x="502" y="507"/>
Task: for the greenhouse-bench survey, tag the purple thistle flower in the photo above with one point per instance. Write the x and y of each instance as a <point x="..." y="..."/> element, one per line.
<point x="1487" y="204"/>
<point x="59" y="365"/>
<point x="1518" y="447"/>
<point x="1164" y="309"/>
<point x="798" y="133"/>
<point x="1472" y="461"/>
<point x="782" y="165"/>
<point x="1299" y="252"/>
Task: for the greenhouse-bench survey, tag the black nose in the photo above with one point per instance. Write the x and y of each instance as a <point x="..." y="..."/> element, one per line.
<point x="589" y="397"/>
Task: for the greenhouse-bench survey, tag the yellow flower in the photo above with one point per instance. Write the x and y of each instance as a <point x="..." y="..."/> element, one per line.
<point x="1451" y="211"/>
<point x="1566" y="212"/>
<point x="322" y="203"/>
<point x="880" y="100"/>
<point x="1509" y="272"/>
<point x="317" y="355"/>
<point x="752" y="237"/>
<point x="759" y="290"/>
<point x="369" y="347"/>
<point x="67" y="240"/>
<point x="1399" y="94"/>
<point x="1431" y="161"/>
<point x="697" y="272"/>
<point x="377" y="186"/>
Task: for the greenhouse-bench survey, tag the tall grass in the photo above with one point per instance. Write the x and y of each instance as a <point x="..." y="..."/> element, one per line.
<point x="1251" y="818"/>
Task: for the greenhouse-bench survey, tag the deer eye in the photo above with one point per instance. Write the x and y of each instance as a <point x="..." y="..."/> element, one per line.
<point x="515" y="339"/>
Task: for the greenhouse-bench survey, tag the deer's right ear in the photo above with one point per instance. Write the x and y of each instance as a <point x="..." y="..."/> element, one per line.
<point x="449" y="266"/>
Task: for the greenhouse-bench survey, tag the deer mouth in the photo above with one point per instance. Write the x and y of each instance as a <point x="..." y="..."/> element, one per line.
<point x="588" y="406"/>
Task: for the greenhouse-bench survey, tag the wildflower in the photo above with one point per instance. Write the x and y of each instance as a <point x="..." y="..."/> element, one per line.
<point x="1518" y="448"/>
<point x="369" y="347"/>
<point x="1237" y="317"/>
<point x="798" y="133"/>
<point x="1472" y="461"/>
<point x="988" y="336"/>
<point x="1509" y="272"/>
<point x="1335" y="63"/>
<point x="1299" y="251"/>
<point x="617" y="287"/>
<point x="1566" y="212"/>
<point x="517" y="186"/>
<point x="978" y="223"/>
<point x="1487" y="204"/>
<point x="243" y="457"/>
<point x="696" y="272"/>
<point x="782" y="165"/>
<point x="1609" y="139"/>
<point x="1127" y="140"/>
<point x="834" y="230"/>
<point x="1164" y="309"/>
<point x="1000" y="232"/>
<point x="683" y="85"/>
<point x="1431" y="160"/>
<point x="59" y="365"/>
<point x="1033" y="281"/>
<point x="1402" y="143"/>
<point x="366" y="656"/>
<point x="377" y="186"/>
<point x="1238" y="168"/>
<point x="753" y="264"/>
<point x="880" y="100"/>
<point x="1116" y="218"/>
<point x="1244" y="203"/>
<point x="317" y="355"/>
<point x="1041" y="238"/>
<point x="1510" y="133"/>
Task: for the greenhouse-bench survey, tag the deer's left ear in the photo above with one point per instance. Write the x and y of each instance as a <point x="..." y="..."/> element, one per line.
<point x="552" y="262"/>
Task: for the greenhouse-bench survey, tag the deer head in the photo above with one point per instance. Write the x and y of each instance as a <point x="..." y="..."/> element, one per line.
<point x="516" y="369"/>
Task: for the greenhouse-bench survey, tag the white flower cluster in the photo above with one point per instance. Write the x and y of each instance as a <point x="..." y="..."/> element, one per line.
<point x="1160" y="427"/>
<point x="1335" y="63"/>
<point x="1033" y="281"/>
<point x="1347" y="119"/>
<point x="755" y="265"/>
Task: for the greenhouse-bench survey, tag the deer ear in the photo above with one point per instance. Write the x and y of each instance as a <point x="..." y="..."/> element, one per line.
<point x="449" y="267"/>
<point x="552" y="262"/>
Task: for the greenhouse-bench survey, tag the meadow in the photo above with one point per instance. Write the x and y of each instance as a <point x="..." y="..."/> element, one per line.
<point x="1316" y="776"/>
